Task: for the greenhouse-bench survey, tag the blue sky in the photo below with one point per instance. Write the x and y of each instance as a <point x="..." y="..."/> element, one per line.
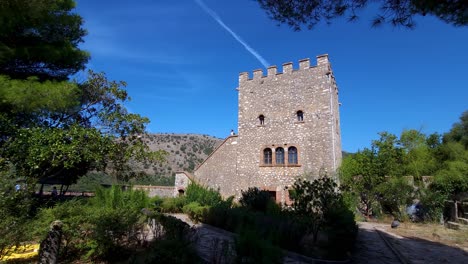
<point x="182" y="66"/>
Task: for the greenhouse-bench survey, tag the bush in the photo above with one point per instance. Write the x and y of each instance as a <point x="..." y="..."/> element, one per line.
<point x="103" y="227"/>
<point x="432" y="205"/>
<point x="74" y="215"/>
<point x="218" y="215"/>
<point x="255" y="199"/>
<point x="195" y="211"/>
<point x="202" y="195"/>
<point x="394" y="196"/>
<point x="174" y="247"/>
<point x="320" y="206"/>
<point x="173" y="204"/>
<point x="341" y="229"/>
<point x="250" y="248"/>
<point x="16" y="211"/>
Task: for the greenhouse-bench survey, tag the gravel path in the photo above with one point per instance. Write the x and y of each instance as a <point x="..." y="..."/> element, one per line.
<point x="215" y="245"/>
<point x="421" y="251"/>
<point x="375" y="245"/>
<point x="371" y="248"/>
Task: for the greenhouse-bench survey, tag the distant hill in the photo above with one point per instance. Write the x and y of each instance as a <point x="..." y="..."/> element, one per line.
<point x="185" y="152"/>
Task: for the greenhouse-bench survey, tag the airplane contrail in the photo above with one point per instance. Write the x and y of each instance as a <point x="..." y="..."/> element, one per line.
<point x="237" y="37"/>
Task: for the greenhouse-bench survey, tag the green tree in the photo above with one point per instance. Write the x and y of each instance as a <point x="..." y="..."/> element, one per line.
<point x="40" y="38"/>
<point x="389" y="156"/>
<point x="320" y="206"/>
<point x="298" y="13"/>
<point x="395" y="194"/>
<point x="459" y="131"/>
<point x="451" y="181"/>
<point x="359" y="176"/>
<point x="364" y="171"/>
<point x="419" y="160"/>
<point x="86" y="127"/>
<point x="313" y="200"/>
<point x="51" y="128"/>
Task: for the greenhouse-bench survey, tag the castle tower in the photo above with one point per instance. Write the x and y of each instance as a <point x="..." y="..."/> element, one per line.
<point x="289" y="126"/>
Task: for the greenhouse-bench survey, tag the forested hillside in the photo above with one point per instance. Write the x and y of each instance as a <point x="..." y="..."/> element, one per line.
<point x="184" y="152"/>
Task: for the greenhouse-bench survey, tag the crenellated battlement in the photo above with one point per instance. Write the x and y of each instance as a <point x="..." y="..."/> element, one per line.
<point x="288" y="125"/>
<point x="288" y="67"/>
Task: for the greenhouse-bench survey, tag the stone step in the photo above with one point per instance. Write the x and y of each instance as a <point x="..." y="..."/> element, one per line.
<point x="463" y="221"/>
<point x="455" y="226"/>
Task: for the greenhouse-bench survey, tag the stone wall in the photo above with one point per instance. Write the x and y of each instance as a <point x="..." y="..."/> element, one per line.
<point x="278" y="97"/>
<point x="238" y="163"/>
<point x="182" y="181"/>
<point x="219" y="171"/>
<point x="152" y="191"/>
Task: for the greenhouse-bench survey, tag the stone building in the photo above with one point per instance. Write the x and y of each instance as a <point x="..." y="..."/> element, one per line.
<point x="289" y="125"/>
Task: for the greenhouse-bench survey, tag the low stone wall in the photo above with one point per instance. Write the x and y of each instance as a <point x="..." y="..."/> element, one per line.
<point x="161" y="191"/>
<point x="182" y="181"/>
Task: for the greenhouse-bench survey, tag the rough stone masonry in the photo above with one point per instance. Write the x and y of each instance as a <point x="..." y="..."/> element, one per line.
<point x="289" y="126"/>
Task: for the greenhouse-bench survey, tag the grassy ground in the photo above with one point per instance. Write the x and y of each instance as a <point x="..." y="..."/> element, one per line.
<point x="433" y="232"/>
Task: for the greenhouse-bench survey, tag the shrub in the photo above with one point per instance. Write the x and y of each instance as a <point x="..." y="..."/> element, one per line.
<point x="218" y="215"/>
<point x="202" y="195"/>
<point x="103" y="227"/>
<point x="250" y="248"/>
<point x="195" y="211"/>
<point x="341" y="229"/>
<point x="432" y="205"/>
<point x="174" y="247"/>
<point x="320" y="206"/>
<point x="394" y="196"/>
<point x="74" y="215"/>
<point x="16" y="211"/>
<point x="173" y="204"/>
<point x="255" y="199"/>
<point x="312" y="200"/>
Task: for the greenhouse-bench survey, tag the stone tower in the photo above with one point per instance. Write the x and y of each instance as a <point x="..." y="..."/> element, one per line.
<point x="289" y="125"/>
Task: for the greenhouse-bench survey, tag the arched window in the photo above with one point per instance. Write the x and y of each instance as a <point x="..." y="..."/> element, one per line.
<point x="261" y="118"/>
<point x="279" y="156"/>
<point x="267" y="156"/>
<point x="300" y="116"/>
<point x="292" y="155"/>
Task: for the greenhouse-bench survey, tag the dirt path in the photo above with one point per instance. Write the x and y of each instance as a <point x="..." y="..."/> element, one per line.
<point x="378" y="244"/>
<point x="371" y="248"/>
<point x="215" y="245"/>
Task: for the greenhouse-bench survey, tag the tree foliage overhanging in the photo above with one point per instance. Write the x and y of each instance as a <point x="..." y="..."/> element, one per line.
<point x="40" y="38"/>
<point x="54" y="130"/>
<point x="298" y="13"/>
<point x="49" y="126"/>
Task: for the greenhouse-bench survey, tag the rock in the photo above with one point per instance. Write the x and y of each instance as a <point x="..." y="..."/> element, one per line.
<point x="395" y="224"/>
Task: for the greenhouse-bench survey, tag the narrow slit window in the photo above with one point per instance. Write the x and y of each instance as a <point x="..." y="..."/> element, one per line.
<point x="292" y="155"/>
<point x="279" y="156"/>
<point x="300" y="116"/>
<point x="267" y="156"/>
